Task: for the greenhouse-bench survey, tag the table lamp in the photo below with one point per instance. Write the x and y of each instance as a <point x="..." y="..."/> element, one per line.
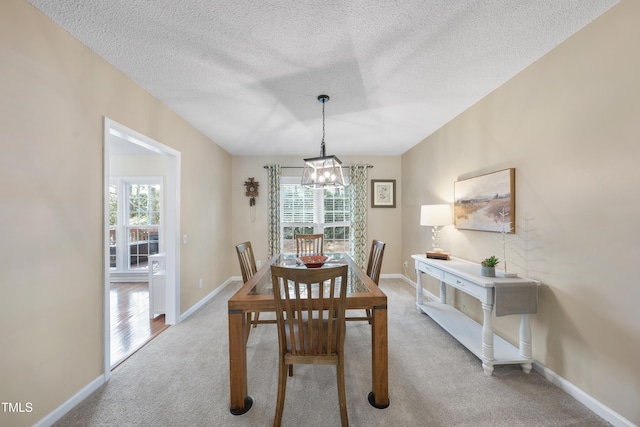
<point x="436" y="216"/>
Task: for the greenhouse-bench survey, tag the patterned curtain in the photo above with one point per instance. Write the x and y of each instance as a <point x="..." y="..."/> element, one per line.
<point x="358" y="213"/>
<point x="273" y="216"/>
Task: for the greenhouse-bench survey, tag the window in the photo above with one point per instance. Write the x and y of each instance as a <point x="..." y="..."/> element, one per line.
<point x="307" y="211"/>
<point x="134" y="223"/>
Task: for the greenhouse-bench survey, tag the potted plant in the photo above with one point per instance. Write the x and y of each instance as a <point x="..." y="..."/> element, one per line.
<point x="489" y="266"/>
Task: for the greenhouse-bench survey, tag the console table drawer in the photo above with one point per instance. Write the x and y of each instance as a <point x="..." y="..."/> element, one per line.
<point x="465" y="285"/>
<point x="431" y="271"/>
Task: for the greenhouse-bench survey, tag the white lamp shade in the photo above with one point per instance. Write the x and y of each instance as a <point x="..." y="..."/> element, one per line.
<point x="435" y="215"/>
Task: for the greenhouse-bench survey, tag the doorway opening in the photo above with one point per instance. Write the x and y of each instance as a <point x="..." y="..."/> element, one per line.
<point x="130" y="323"/>
<point x="146" y="174"/>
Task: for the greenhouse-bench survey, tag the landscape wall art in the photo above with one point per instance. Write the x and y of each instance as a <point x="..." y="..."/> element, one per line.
<point x="486" y="202"/>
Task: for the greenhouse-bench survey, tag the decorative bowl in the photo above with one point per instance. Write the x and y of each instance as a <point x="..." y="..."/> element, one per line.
<point x="313" y="261"/>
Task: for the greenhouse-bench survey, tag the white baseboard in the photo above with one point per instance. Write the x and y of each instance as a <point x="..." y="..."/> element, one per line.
<point x="61" y="410"/>
<point x="590" y="402"/>
<point x="408" y="281"/>
<point x="204" y="300"/>
<point x="596" y="406"/>
<point x="391" y="276"/>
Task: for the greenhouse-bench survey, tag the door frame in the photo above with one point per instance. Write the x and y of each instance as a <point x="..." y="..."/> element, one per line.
<point x="112" y="128"/>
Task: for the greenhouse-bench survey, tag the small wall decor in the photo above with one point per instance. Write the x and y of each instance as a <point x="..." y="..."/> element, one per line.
<point x="486" y="202"/>
<point x="383" y="193"/>
<point x="504" y="244"/>
<point x="252" y="190"/>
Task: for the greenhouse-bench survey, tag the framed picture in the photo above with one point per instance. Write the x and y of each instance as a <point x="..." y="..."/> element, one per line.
<point x="383" y="193"/>
<point x="486" y="202"/>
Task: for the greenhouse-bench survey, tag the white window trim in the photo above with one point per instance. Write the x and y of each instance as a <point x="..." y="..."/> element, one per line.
<point x="318" y="227"/>
<point x="122" y="225"/>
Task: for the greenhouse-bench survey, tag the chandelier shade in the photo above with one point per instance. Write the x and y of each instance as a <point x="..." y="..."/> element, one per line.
<point x="323" y="171"/>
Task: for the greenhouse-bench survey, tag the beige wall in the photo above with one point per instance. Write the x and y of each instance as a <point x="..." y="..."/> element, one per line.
<point x="383" y="223"/>
<point x="54" y="95"/>
<point x="138" y="165"/>
<point x="570" y="125"/>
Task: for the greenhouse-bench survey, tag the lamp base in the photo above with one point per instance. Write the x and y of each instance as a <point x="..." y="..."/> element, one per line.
<point x="437" y="255"/>
<point x="506" y="274"/>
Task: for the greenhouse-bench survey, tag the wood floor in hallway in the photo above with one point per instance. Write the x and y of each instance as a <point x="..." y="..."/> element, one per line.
<point x="131" y="327"/>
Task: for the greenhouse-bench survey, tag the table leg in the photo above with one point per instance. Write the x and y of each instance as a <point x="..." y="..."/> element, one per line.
<point x="525" y="342"/>
<point x="379" y="396"/>
<point x="443" y="292"/>
<point x="241" y="402"/>
<point x="487" y="340"/>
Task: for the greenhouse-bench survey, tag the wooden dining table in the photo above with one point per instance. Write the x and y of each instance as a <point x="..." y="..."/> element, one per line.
<point x="256" y="296"/>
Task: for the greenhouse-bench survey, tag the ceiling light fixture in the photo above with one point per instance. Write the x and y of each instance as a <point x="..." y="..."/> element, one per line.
<point x="323" y="171"/>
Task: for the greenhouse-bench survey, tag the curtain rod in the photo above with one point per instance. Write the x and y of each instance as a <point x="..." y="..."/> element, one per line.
<point x="302" y="167"/>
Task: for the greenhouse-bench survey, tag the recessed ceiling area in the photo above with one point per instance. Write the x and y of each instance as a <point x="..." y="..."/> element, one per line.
<point x="247" y="73"/>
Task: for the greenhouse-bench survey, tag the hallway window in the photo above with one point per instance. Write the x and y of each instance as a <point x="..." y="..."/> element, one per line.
<point x="135" y="220"/>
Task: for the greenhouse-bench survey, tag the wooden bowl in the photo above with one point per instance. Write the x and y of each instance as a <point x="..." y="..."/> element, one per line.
<point x="313" y="261"/>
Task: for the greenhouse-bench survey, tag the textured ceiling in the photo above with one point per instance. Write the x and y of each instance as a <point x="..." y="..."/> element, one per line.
<point x="246" y="73"/>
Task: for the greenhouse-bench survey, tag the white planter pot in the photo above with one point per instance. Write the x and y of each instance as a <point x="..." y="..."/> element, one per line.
<point x="488" y="271"/>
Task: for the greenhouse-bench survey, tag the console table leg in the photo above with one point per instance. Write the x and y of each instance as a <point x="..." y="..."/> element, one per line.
<point x="525" y="342"/>
<point x="487" y="339"/>
<point x="419" y="296"/>
<point x="488" y="369"/>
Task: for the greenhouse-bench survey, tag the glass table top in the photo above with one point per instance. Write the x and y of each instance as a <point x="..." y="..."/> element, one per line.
<point x="356" y="285"/>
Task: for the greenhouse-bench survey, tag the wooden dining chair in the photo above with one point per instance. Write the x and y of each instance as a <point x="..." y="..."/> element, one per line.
<point x="375" y="260"/>
<point x="375" y="265"/>
<point x="309" y="244"/>
<point x="247" y="261"/>
<point x="310" y="314"/>
<point x="248" y="268"/>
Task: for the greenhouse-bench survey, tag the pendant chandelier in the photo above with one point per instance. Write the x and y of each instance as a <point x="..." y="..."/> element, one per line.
<point x="324" y="171"/>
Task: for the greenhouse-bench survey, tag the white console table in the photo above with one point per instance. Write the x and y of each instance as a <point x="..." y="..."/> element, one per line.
<point x="479" y="339"/>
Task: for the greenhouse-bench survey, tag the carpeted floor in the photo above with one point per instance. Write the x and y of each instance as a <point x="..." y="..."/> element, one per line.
<point x="181" y="378"/>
